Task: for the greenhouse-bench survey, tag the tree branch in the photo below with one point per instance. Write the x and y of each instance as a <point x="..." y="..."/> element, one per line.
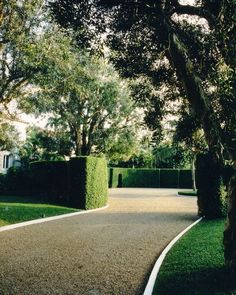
<point x="193" y="10"/>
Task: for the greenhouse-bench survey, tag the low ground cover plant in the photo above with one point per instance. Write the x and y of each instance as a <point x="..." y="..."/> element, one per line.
<point x="195" y="265"/>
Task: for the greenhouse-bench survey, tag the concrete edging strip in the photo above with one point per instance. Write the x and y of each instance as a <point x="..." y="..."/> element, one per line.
<point x="152" y="279"/>
<point x="41" y="220"/>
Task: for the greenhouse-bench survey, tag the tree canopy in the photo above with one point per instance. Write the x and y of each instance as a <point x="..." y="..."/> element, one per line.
<point x="186" y="46"/>
<point x="22" y="48"/>
<point x="9" y="137"/>
<point x="85" y="97"/>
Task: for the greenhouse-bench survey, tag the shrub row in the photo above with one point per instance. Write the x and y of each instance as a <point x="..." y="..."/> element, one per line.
<point x="80" y="182"/>
<point x="151" y="178"/>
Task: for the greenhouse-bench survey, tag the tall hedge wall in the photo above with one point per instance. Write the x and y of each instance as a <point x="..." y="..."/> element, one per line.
<point x="169" y="178"/>
<point x="50" y="180"/>
<point x="81" y="182"/>
<point x="16" y="182"/>
<point x="152" y="178"/>
<point x="129" y="177"/>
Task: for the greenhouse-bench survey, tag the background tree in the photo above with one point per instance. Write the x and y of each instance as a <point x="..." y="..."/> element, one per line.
<point x="43" y="144"/>
<point x="9" y="137"/>
<point x="86" y="97"/>
<point x="23" y="45"/>
<point x="188" y="131"/>
<point x="169" y="155"/>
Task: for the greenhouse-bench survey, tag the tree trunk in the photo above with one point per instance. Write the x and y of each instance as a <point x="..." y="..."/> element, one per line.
<point x="77" y="138"/>
<point x="84" y="147"/>
<point x="202" y="109"/>
<point x="230" y="230"/>
<point x="196" y="96"/>
<point x="193" y="173"/>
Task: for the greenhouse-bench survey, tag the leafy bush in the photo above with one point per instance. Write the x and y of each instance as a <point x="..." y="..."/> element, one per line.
<point x="211" y="191"/>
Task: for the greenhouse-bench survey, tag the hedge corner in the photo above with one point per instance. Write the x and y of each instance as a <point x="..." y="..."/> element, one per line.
<point x="88" y="182"/>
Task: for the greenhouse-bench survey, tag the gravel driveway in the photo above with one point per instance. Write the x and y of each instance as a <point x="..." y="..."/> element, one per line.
<point x="106" y="252"/>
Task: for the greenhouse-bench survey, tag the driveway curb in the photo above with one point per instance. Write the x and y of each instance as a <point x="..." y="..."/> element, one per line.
<point x="152" y="279"/>
<point x="42" y="220"/>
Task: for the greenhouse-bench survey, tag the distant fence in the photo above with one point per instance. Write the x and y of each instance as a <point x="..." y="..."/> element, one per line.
<point x="150" y="178"/>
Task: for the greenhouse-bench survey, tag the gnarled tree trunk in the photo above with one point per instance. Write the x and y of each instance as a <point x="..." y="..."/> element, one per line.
<point x="201" y="107"/>
<point x="230" y="230"/>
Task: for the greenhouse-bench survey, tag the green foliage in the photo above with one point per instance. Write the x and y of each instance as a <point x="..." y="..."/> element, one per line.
<point x="82" y="182"/>
<point x="49" y="180"/>
<point x="146" y="96"/>
<point x="185" y="178"/>
<point x="88" y="182"/>
<point x="153" y="178"/>
<point x="171" y="156"/>
<point x="17" y="181"/>
<point x="85" y="97"/>
<point x="169" y="178"/>
<point x="122" y="147"/>
<point x="130" y="177"/>
<point x="45" y="145"/>
<point x="9" y="137"/>
<point x="77" y="182"/>
<point x="212" y="201"/>
<point x="149" y="155"/>
<point x="23" y="46"/>
<point x="195" y="265"/>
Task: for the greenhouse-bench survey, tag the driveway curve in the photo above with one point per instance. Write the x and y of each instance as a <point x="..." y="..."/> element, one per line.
<point x="106" y="252"/>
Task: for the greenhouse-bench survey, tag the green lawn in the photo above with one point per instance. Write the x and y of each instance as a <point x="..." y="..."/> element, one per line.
<point x="195" y="265"/>
<point x="18" y="209"/>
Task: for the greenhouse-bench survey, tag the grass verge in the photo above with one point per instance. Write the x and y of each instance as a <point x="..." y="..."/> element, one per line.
<point x="195" y="265"/>
<point x="188" y="193"/>
<point x="18" y="209"/>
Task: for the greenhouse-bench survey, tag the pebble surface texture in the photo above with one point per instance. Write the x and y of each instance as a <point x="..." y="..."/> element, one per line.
<point x="106" y="252"/>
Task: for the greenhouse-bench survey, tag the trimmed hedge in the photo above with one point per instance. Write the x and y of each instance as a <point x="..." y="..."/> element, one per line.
<point x="80" y="182"/>
<point x="50" y="181"/>
<point x="211" y="191"/>
<point x="169" y="178"/>
<point x="185" y="179"/>
<point x="16" y="181"/>
<point x="129" y="177"/>
<point x="152" y="178"/>
<point x="88" y="182"/>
